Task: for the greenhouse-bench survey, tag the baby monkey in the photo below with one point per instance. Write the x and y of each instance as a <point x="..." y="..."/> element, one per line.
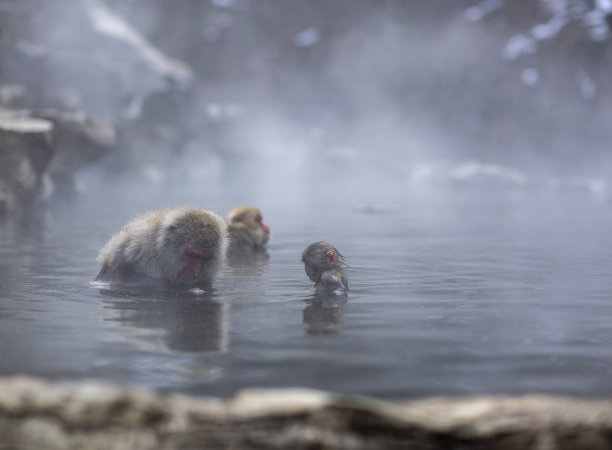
<point x="176" y="248"/>
<point x="325" y="266"/>
<point x="246" y="228"/>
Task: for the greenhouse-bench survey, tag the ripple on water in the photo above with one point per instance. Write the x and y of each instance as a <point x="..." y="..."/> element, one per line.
<point x="461" y="294"/>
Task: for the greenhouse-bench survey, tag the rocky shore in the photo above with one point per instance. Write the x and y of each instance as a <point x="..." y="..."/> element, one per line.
<point x="37" y="414"/>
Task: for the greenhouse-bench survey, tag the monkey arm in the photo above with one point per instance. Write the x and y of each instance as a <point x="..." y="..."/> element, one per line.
<point x="333" y="280"/>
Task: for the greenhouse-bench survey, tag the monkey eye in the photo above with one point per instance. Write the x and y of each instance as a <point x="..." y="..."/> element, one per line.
<point x="171" y="228"/>
<point x="258" y="219"/>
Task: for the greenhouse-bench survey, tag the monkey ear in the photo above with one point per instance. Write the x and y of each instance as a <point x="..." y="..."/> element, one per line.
<point x="331" y="255"/>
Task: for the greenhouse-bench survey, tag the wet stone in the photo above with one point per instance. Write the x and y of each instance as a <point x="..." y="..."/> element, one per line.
<point x="39" y="414"/>
<point x="26" y="149"/>
<point x="43" y="150"/>
<point x="80" y="141"/>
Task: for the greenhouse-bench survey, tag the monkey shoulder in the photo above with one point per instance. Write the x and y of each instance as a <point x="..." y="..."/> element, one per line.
<point x="128" y="257"/>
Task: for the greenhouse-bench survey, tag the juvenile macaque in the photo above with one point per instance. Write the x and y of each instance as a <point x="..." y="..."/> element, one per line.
<point x="177" y="248"/>
<point x="246" y="228"/>
<point x="325" y="266"/>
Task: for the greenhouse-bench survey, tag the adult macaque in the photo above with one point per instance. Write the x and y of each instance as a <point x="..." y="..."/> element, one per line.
<point x="325" y="266"/>
<point x="246" y="229"/>
<point x="176" y="248"/>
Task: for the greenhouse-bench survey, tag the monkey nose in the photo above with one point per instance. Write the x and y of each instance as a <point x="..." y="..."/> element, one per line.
<point x="265" y="227"/>
<point x="194" y="252"/>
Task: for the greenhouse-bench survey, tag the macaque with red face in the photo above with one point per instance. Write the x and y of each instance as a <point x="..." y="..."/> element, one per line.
<point x="176" y="248"/>
<point x="325" y="266"/>
<point x="246" y="229"/>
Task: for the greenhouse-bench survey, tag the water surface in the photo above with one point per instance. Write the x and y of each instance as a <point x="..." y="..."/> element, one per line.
<point x="453" y="291"/>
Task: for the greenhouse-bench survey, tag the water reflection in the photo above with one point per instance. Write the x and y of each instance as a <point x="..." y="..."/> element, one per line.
<point x="248" y="258"/>
<point x="241" y="279"/>
<point x="24" y="226"/>
<point x="171" y="320"/>
<point x="467" y="293"/>
<point x="323" y="313"/>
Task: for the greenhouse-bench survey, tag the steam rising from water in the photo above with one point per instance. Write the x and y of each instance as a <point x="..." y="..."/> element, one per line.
<point x="396" y="130"/>
<point x="358" y="101"/>
<point x="107" y="23"/>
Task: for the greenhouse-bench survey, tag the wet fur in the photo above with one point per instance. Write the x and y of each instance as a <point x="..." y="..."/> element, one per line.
<point x="149" y="251"/>
<point x="245" y="233"/>
<point x="324" y="265"/>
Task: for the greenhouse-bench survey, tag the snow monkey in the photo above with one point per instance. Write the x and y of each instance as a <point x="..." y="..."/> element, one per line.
<point x="246" y="229"/>
<point x="325" y="266"/>
<point x="175" y="248"/>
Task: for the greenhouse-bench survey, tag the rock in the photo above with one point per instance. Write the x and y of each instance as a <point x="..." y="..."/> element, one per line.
<point x="12" y="95"/>
<point x="37" y="414"/>
<point x="42" y="150"/>
<point x="80" y="140"/>
<point x="26" y="149"/>
<point x="106" y="22"/>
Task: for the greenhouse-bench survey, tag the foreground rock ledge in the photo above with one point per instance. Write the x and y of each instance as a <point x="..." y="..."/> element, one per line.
<point x="36" y="414"/>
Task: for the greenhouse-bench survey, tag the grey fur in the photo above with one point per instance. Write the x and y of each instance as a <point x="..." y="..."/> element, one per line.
<point x="245" y="233"/>
<point x="150" y="250"/>
<point x="324" y="265"/>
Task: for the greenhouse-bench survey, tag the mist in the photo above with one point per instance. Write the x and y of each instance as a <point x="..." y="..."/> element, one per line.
<point x="303" y="102"/>
<point x="454" y="151"/>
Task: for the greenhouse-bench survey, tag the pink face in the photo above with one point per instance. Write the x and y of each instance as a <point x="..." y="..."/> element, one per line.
<point x="195" y="262"/>
<point x="262" y="224"/>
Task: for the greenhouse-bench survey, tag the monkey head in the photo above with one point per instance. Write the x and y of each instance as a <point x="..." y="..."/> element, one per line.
<point x="191" y="246"/>
<point x="321" y="257"/>
<point x="247" y="228"/>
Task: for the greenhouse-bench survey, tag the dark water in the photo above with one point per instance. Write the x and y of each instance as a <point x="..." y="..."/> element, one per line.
<point x="453" y="291"/>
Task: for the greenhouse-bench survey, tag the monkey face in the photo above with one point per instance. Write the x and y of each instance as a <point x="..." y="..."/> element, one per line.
<point x="246" y="226"/>
<point x="262" y="230"/>
<point x="192" y="247"/>
<point x="195" y="261"/>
